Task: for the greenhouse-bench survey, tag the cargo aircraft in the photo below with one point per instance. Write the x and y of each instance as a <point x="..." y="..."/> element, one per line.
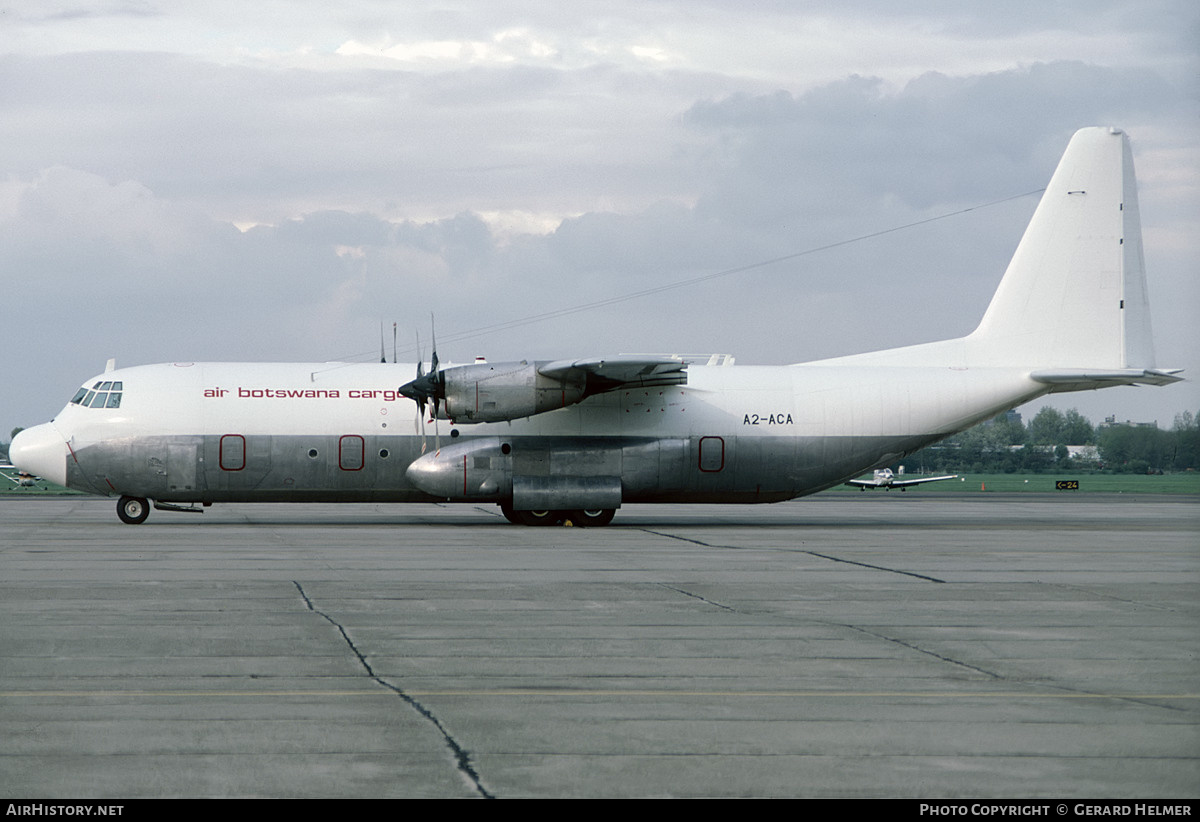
<point x="575" y="439"/>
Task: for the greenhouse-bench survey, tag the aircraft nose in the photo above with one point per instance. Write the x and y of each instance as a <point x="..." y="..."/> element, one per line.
<point x="40" y="450"/>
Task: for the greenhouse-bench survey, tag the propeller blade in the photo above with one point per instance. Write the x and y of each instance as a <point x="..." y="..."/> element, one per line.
<point x="437" y="437"/>
<point x="433" y="365"/>
<point x="421" y="417"/>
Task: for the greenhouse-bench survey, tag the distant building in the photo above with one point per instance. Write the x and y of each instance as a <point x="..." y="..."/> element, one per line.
<point x="1011" y="417"/>
<point x="1111" y="421"/>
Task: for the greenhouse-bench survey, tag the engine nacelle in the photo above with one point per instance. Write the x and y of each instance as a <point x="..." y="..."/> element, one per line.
<point x="491" y="392"/>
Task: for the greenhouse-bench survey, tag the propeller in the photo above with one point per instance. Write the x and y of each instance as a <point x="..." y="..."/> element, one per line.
<point x="420" y="399"/>
<point x="429" y="387"/>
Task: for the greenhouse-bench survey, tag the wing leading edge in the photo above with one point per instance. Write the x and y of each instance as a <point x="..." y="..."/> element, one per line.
<point x="610" y="373"/>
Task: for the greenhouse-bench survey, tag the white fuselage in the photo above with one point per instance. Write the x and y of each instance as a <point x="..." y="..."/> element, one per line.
<point x="203" y="432"/>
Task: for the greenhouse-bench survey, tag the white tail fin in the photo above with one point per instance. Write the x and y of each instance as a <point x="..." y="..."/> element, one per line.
<point x="1074" y="294"/>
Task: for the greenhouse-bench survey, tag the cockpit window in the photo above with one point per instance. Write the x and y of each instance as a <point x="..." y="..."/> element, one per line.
<point x="104" y="394"/>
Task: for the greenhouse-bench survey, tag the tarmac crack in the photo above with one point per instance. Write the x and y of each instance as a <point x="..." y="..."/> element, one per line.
<point x="875" y="567"/>
<point x="697" y="596"/>
<point x="921" y="650"/>
<point x="1139" y="602"/>
<point x="810" y="553"/>
<point x="462" y="756"/>
<point x="1060" y="686"/>
<point x="692" y="541"/>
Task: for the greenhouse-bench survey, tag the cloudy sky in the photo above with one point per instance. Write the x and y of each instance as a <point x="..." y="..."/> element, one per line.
<point x="225" y="180"/>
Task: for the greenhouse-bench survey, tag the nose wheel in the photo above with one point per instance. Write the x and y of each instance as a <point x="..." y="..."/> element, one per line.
<point x="133" y="510"/>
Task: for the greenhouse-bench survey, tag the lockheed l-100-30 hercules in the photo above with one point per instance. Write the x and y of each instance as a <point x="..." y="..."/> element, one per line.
<point x="577" y="438"/>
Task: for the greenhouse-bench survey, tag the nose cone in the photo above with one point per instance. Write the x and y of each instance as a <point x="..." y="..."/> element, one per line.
<point x="40" y="450"/>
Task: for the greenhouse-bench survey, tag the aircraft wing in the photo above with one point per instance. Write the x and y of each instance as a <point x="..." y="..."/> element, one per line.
<point x="610" y="373"/>
<point x="21" y="479"/>
<point x="906" y="483"/>
<point x="896" y="483"/>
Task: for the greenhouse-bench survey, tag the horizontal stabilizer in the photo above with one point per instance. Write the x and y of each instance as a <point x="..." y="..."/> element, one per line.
<point x="1082" y="380"/>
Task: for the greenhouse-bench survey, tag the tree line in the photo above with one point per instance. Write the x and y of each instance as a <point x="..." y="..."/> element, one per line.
<point x="1051" y="441"/>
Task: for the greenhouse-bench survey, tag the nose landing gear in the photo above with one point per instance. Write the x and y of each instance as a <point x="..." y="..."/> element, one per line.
<point x="133" y="510"/>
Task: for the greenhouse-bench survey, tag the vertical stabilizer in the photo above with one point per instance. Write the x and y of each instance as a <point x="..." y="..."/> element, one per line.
<point x="1074" y="294"/>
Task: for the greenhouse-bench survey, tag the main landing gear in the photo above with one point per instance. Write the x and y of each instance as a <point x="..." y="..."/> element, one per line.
<point x="133" y="510"/>
<point x="594" y="518"/>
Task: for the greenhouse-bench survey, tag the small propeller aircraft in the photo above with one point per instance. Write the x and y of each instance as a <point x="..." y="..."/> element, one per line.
<point x="21" y="479"/>
<point x="884" y="478"/>
<point x="578" y="438"/>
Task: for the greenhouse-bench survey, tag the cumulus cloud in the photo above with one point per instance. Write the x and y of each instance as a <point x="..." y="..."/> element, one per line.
<point x="383" y="177"/>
